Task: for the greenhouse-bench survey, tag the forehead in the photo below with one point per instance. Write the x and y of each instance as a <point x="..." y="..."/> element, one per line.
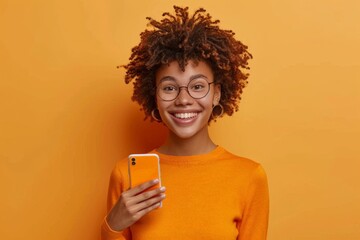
<point x="174" y="72"/>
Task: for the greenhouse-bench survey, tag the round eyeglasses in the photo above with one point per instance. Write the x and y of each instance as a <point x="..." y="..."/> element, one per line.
<point x="169" y="90"/>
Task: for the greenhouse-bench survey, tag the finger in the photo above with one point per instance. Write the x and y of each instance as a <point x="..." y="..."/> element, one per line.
<point x="149" y="205"/>
<point x="138" y="189"/>
<point x="131" y="201"/>
<point x="147" y="195"/>
<point x="141" y="213"/>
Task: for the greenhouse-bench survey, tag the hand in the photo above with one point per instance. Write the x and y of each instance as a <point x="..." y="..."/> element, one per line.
<point x="133" y="204"/>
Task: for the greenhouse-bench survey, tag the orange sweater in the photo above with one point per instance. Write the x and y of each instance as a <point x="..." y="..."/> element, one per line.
<point x="210" y="196"/>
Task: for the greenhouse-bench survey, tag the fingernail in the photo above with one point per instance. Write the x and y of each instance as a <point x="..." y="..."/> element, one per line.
<point x="162" y="189"/>
<point x="156" y="180"/>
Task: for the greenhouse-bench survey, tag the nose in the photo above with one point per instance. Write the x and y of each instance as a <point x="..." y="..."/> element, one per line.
<point x="184" y="97"/>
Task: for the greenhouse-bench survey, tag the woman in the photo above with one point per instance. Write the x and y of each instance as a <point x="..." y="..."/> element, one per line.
<point x="188" y="72"/>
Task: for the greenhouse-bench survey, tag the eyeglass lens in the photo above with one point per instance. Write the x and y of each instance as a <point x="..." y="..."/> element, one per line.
<point x="169" y="90"/>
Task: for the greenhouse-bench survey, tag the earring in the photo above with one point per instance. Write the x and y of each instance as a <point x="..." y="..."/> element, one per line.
<point x="221" y="111"/>
<point x="154" y="116"/>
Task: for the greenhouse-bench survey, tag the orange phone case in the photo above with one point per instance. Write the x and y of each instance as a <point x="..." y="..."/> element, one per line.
<point x="143" y="168"/>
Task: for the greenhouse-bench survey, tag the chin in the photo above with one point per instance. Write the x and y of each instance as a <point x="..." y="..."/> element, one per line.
<point x="187" y="132"/>
<point x="183" y="134"/>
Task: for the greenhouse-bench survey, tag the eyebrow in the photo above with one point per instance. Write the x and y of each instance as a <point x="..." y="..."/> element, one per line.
<point x="170" y="78"/>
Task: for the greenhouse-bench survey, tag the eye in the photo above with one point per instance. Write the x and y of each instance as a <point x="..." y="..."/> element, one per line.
<point x="169" y="88"/>
<point x="197" y="87"/>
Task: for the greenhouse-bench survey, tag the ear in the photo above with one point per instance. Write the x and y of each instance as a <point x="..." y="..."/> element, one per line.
<point x="217" y="94"/>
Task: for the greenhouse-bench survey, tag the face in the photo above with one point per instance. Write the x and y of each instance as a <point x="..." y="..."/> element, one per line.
<point x="186" y="116"/>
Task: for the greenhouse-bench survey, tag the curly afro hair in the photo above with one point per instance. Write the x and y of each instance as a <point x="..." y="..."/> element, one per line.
<point x="181" y="37"/>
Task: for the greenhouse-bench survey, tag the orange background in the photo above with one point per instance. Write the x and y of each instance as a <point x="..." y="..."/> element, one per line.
<point x="66" y="115"/>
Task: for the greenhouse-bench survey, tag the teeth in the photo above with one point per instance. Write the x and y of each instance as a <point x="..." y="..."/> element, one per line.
<point x="185" y="115"/>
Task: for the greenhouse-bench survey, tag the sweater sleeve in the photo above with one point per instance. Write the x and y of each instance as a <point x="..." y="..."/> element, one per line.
<point x="254" y="222"/>
<point x="116" y="187"/>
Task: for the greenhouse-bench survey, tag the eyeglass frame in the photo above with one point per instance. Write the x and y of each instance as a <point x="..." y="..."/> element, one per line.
<point x="187" y="90"/>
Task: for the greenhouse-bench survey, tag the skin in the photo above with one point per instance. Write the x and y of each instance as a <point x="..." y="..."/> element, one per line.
<point x="186" y="137"/>
<point x="133" y="205"/>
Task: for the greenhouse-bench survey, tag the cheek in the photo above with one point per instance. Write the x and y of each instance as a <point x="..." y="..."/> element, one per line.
<point x="207" y="106"/>
<point x="161" y="105"/>
<point x="159" y="102"/>
<point x="209" y="100"/>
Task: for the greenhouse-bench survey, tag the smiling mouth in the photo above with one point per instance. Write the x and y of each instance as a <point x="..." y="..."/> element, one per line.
<point x="185" y="115"/>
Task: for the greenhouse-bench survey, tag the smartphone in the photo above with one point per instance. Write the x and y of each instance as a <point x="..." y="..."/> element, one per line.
<point x="143" y="168"/>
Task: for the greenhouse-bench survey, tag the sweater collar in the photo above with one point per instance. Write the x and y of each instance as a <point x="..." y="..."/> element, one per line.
<point x="192" y="159"/>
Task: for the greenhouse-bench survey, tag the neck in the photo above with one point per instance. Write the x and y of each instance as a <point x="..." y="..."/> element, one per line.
<point x="200" y="143"/>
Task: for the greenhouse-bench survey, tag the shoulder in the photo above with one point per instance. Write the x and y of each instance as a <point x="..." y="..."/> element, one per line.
<point x="119" y="173"/>
<point x="245" y="162"/>
<point x="250" y="166"/>
<point x="121" y="165"/>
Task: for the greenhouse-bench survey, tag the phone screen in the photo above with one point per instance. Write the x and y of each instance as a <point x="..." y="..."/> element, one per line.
<point x="143" y="168"/>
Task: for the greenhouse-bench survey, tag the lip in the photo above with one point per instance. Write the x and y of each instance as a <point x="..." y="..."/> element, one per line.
<point x="184" y="121"/>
